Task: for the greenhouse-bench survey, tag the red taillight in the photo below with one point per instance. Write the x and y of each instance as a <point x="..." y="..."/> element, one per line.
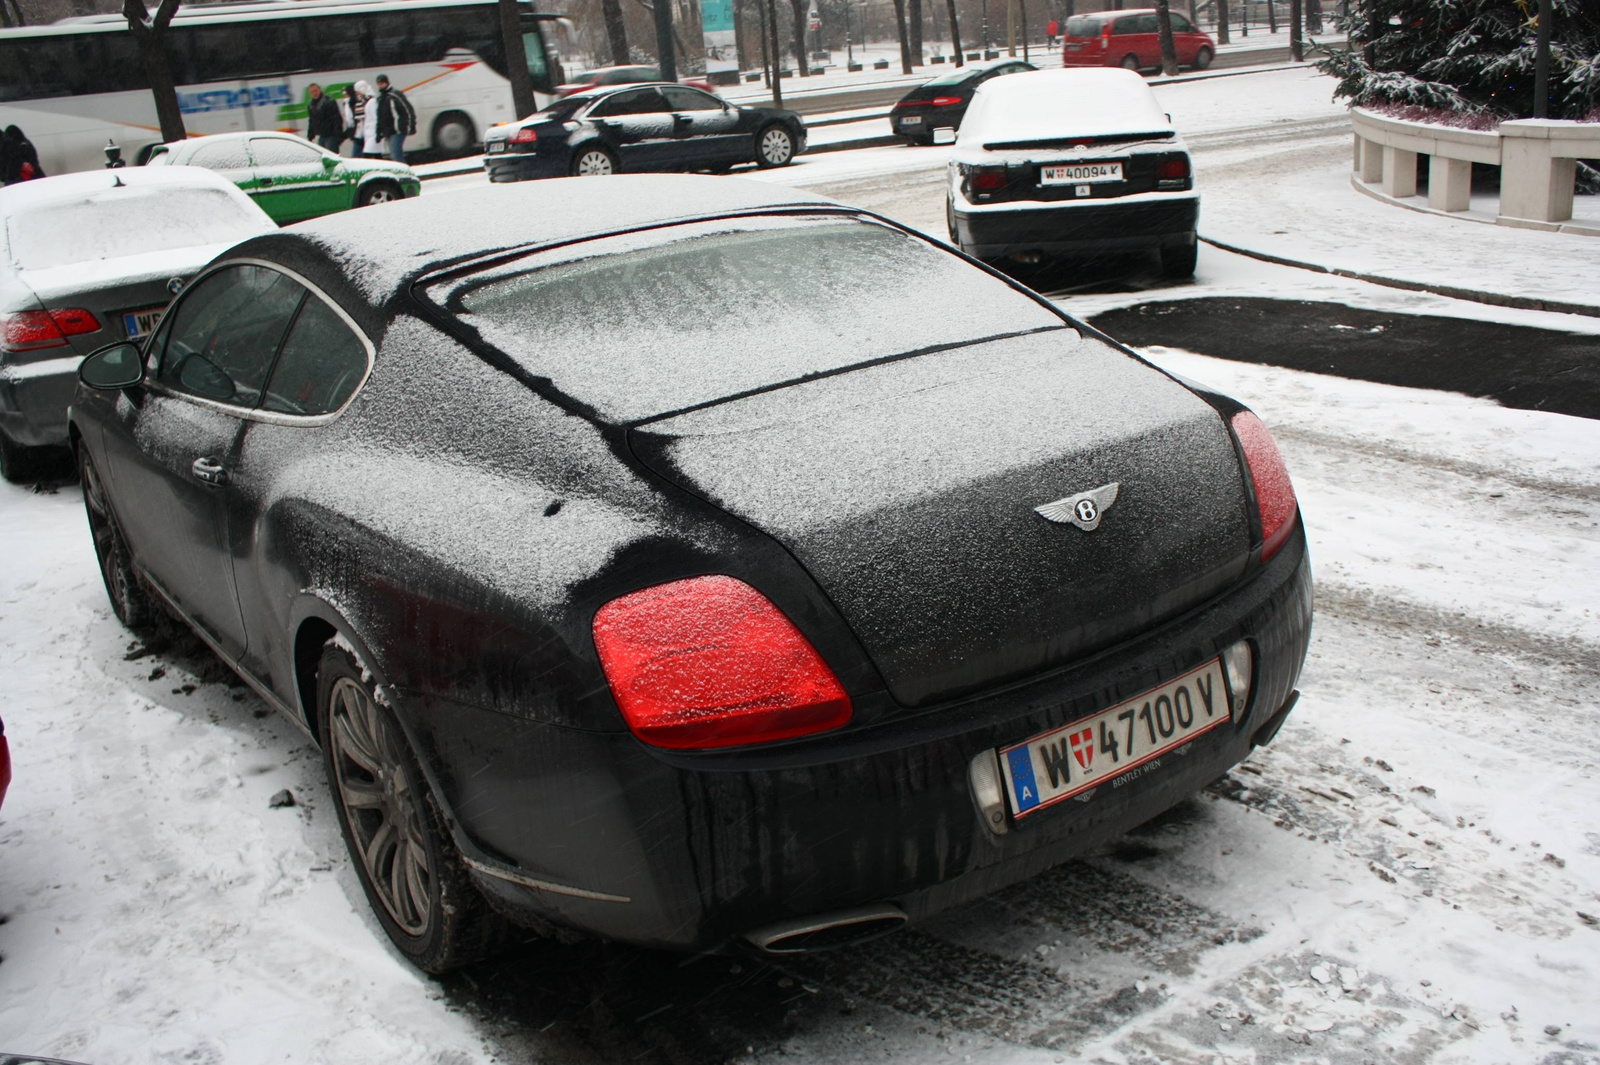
<point x="1173" y="167"/>
<point x="711" y="662"/>
<point x="945" y="101"/>
<point x="29" y="331"/>
<point x="988" y="180"/>
<point x="525" y="135"/>
<point x="1274" y="493"/>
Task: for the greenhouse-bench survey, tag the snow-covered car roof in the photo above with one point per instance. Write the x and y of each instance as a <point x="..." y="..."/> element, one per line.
<point x="1054" y="104"/>
<point x="383" y="250"/>
<point x="55" y="222"/>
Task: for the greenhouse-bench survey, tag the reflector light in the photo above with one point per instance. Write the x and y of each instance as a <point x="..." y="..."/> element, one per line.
<point x="988" y="180"/>
<point x="29" y="331"/>
<point x="525" y="135"/>
<point x="711" y="662"/>
<point x="1275" y="496"/>
<point x="1173" y="166"/>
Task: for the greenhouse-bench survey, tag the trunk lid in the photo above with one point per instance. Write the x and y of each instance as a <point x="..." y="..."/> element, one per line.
<point x="908" y="489"/>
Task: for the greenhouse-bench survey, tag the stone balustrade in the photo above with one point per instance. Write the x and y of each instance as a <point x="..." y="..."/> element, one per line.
<point x="1537" y="160"/>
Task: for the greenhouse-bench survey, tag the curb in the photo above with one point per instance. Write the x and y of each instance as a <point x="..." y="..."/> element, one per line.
<point x="1494" y="299"/>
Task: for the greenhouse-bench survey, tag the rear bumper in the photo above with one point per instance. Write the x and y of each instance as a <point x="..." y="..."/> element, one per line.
<point x="523" y="166"/>
<point x="1155" y="220"/>
<point x="34" y="397"/>
<point x="695" y="851"/>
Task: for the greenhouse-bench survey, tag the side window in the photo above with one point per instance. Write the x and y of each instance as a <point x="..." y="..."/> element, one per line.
<point x="1181" y="24"/>
<point x="225" y="332"/>
<point x="638" y="102"/>
<point x="321" y="364"/>
<point x="274" y="151"/>
<point x="221" y="155"/>
<point x="691" y="100"/>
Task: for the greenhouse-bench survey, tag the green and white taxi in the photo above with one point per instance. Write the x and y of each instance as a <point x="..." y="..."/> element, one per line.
<point x="288" y="176"/>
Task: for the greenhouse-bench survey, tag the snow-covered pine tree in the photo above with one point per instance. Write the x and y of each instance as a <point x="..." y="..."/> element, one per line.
<point x="1469" y="57"/>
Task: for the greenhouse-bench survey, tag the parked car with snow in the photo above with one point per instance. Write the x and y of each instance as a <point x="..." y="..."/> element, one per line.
<point x="1131" y="39"/>
<point x="89" y="258"/>
<point x="641" y="127"/>
<point x="942" y="102"/>
<point x="288" y="176"/>
<point x="688" y="650"/>
<point x="1068" y="163"/>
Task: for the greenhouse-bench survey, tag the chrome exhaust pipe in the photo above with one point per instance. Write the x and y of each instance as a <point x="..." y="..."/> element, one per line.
<point x="828" y="930"/>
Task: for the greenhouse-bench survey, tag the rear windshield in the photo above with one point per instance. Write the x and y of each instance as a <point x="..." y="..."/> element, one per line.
<point x="954" y="77"/>
<point x="1083" y="27"/>
<point x="651" y="323"/>
<point x="127" y="221"/>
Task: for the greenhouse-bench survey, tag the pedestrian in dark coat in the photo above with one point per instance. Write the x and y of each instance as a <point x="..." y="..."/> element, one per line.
<point x="18" y="159"/>
<point x="396" y="118"/>
<point x="324" y="123"/>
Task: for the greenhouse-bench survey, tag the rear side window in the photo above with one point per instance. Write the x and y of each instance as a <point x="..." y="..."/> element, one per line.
<point x="641" y="325"/>
<point x="1181" y="24"/>
<point x="221" y="155"/>
<point x="274" y="151"/>
<point x="320" y="366"/>
<point x="1083" y="27"/>
<point x="637" y="102"/>
<point x="226" y="331"/>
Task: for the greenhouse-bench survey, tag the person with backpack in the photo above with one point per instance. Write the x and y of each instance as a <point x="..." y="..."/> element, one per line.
<point x="397" y="119"/>
<point x="19" y="161"/>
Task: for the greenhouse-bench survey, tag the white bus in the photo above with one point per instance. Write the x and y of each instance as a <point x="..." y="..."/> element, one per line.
<point x="74" y="85"/>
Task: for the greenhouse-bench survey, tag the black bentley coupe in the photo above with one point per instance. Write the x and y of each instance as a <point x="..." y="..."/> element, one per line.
<point x="634" y="128"/>
<point x="642" y="565"/>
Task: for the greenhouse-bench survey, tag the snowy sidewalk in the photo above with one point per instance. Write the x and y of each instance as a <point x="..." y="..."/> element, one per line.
<point x="1302" y="208"/>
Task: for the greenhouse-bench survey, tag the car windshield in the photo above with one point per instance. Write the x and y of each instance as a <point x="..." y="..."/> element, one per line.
<point x="645" y="324"/>
<point x="127" y="221"/>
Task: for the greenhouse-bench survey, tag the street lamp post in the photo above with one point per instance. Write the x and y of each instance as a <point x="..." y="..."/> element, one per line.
<point x="986" y="27"/>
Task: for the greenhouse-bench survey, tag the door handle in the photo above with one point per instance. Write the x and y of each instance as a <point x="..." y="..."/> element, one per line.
<point x="209" y="470"/>
<point x="264" y="182"/>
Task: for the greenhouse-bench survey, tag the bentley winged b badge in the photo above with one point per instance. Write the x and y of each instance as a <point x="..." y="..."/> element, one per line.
<point x="1084" y="509"/>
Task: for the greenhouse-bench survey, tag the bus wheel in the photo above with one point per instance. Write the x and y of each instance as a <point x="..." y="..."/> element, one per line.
<point x="454" y="134"/>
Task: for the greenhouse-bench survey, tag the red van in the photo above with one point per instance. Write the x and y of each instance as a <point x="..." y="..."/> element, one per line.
<point x="1129" y="39"/>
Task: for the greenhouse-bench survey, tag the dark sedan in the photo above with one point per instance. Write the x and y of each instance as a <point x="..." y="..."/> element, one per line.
<point x="641" y="564"/>
<point x="942" y="102"/>
<point x="638" y="128"/>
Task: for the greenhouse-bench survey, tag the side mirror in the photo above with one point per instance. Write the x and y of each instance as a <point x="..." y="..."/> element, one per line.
<point x="944" y="135"/>
<point x="329" y="162"/>
<point x="115" y="366"/>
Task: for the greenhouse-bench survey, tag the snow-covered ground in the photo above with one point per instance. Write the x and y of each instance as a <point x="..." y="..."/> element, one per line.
<point x="1411" y="872"/>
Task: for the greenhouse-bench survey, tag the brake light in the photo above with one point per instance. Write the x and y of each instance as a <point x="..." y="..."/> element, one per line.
<point x="1275" y="496"/>
<point x="711" y="662"/>
<point x="525" y="135"/>
<point x="945" y="101"/>
<point x="990" y="180"/>
<point x="29" y="331"/>
<point x="1173" y="167"/>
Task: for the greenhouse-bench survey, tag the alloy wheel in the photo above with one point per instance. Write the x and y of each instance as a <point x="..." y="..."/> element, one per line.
<point x="126" y="601"/>
<point x="382" y="805"/>
<point x="594" y="163"/>
<point x="381" y="194"/>
<point x="776" y="147"/>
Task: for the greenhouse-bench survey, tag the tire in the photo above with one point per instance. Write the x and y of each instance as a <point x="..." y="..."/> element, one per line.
<point x="594" y="162"/>
<point x="950" y="222"/>
<point x="1131" y="62"/>
<point x="394" y="829"/>
<point x="1202" y="58"/>
<point x="1178" y="263"/>
<point x="454" y="135"/>
<point x="129" y="601"/>
<point x="378" y="192"/>
<point x="774" y="147"/>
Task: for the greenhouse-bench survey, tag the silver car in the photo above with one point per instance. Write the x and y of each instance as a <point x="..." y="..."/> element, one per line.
<point x="86" y="259"/>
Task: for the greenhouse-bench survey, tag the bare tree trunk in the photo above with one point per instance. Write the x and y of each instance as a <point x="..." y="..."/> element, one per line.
<point x="955" y="34"/>
<point x="905" y="41"/>
<point x="776" y="52"/>
<point x="151" y="35"/>
<point x="616" y="31"/>
<point x="1272" y="17"/>
<point x="916" y="32"/>
<point x="800" y="8"/>
<point x="1222" y="21"/>
<point x="1169" y="54"/>
<point x="766" y="54"/>
<point x="1296" y="48"/>
<point x="666" y="51"/>
<point x="1023" y="6"/>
